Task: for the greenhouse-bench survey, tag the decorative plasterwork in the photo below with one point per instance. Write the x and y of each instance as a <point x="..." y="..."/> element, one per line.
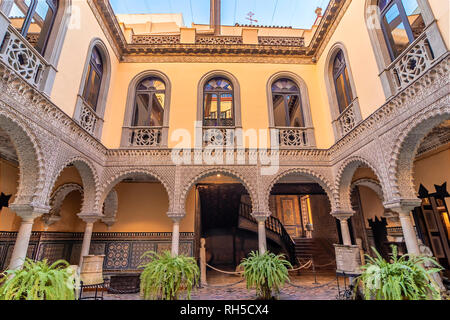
<point x="268" y="49"/>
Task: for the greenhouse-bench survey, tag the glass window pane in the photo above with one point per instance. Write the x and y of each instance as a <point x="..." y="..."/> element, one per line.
<point x="279" y="111"/>
<point x="151" y="84"/>
<point x="142" y="111"/>
<point x="41" y="24"/>
<point x="414" y="15"/>
<point x="157" y="111"/>
<point x="295" y="111"/>
<point x="284" y="85"/>
<point x="211" y="108"/>
<point x="226" y="110"/>
<point x="18" y="13"/>
<point x="341" y="93"/>
<point x="94" y="89"/>
<point x="219" y="84"/>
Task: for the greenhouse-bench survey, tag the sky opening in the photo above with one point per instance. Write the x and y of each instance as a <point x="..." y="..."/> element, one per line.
<point x="287" y="13"/>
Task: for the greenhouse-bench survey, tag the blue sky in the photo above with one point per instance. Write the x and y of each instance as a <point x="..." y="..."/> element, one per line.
<point x="295" y="13"/>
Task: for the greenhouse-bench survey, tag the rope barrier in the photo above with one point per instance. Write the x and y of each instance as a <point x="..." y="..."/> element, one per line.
<point x="312" y="287"/>
<point x="226" y="272"/>
<point x="326" y="265"/>
<point x="305" y="266"/>
<point x="225" y="285"/>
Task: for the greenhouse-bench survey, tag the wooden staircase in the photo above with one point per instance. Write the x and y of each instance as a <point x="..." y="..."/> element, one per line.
<point x="320" y="250"/>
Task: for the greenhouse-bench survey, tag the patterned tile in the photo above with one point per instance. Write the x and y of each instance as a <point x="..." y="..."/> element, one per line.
<point x="139" y="248"/>
<point x="163" y="246"/>
<point x="117" y="257"/>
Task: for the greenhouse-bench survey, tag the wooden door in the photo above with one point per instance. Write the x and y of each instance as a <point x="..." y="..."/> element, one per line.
<point x="288" y="212"/>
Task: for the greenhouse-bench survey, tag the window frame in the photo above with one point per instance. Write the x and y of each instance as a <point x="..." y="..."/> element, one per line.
<point x="219" y="93"/>
<point x="342" y="71"/>
<point x="54" y="6"/>
<point x="285" y="95"/>
<point x="387" y="32"/>
<point x="92" y="66"/>
<point x="151" y="93"/>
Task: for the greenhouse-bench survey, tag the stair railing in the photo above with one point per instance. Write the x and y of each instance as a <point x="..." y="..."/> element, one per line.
<point x="272" y="224"/>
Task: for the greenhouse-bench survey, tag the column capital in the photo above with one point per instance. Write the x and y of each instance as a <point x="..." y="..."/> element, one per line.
<point x="176" y="216"/>
<point x="261" y="216"/>
<point x="343" y="215"/>
<point x="29" y="211"/>
<point x="90" y="217"/>
<point x="403" y="206"/>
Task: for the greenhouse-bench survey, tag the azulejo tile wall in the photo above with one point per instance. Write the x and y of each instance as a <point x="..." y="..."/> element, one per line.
<point x="123" y="251"/>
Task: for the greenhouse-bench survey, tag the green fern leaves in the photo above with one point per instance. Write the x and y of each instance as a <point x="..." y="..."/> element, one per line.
<point x="165" y="277"/>
<point x="38" y="281"/>
<point x="267" y="273"/>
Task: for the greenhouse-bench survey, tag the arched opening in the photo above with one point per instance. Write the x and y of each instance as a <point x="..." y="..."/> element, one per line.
<point x="372" y="226"/>
<point x="223" y="207"/>
<point x="301" y="202"/>
<point x="342" y="95"/>
<point x="219" y="109"/>
<point x="94" y="88"/>
<point x="431" y="175"/>
<point x="146" y="122"/>
<point x="289" y="111"/>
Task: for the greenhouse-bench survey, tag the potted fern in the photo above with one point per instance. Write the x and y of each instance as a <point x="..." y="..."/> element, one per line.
<point x="39" y="281"/>
<point x="267" y="273"/>
<point x="166" y="277"/>
<point x="403" y="278"/>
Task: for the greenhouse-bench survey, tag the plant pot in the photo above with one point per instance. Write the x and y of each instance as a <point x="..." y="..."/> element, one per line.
<point x="92" y="270"/>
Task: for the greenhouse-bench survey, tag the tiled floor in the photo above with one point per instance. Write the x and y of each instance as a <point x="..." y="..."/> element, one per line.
<point x="325" y="290"/>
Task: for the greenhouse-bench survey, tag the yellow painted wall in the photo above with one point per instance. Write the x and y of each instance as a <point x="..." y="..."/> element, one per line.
<point x="433" y="168"/>
<point x="441" y="12"/>
<point x="82" y="30"/>
<point x="253" y="79"/>
<point x="9" y="177"/>
<point x="352" y="32"/>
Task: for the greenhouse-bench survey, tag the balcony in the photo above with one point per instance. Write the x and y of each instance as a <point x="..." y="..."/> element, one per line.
<point x="144" y="137"/>
<point x="412" y="63"/>
<point x="348" y="119"/>
<point x="293" y="137"/>
<point x="17" y="53"/>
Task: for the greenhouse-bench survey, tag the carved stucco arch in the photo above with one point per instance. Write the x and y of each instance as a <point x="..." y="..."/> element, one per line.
<point x="110" y="208"/>
<point x="118" y="177"/>
<point x="56" y="201"/>
<point x="214" y="171"/>
<point x="344" y="179"/>
<point x="406" y="145"/>
<point x="372" y="184"/>
<point x="90" y="179"/>
<point x="313" y="175"/>
<point x="31" y="161"/>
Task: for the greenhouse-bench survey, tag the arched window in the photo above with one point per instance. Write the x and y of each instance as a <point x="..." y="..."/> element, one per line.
<point x="34" y="19"/>
<point x="342" y="82"/>
<point x="93" y="79"/>
<point x="287" y="105"/>
<point x="146" y="121"/>
<point x="149" y="103"/>
<point x="218" y="103"/>
<point x="402" y="22"/>
<point x="94" y="87"/>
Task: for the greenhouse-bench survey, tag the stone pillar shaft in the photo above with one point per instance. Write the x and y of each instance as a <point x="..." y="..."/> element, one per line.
<point x="21" y="246"/>
<point x="410" y="234"/>
<point x="176" y="238"/>
<point x="262" y="239"/>
<point x="86" y="241"/>
<point x="346" y="238"/>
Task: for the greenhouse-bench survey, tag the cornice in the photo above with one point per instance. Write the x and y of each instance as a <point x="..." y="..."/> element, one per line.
<point x="229" y="53"/>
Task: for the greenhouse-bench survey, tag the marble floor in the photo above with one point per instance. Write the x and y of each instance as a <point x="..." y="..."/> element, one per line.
<point x="223" y="287"/>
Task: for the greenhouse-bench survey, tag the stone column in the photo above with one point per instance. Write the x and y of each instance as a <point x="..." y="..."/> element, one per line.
<point x="176" y="232"/>
<point x="404" y="208"/>
<point x="343" y="217"/>
<point x="28" y="215"/>
<point x="86" y="246"/>
<point x="262" y="238"/>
